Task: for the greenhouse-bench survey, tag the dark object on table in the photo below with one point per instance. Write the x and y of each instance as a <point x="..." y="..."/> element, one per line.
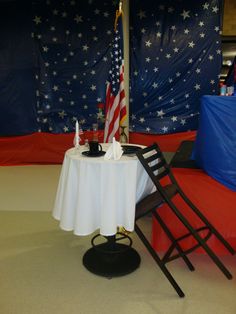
<point x="94" y="147"/>
<point x="130" y="149"/>
<point x="88" y="153"/>
<point x="182" y="157"/>
<point x="123" y="136"/>
<point x="157" y="168"/>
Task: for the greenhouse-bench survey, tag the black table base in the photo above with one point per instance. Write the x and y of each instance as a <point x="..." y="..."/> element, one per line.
<point x="110" y="258"/>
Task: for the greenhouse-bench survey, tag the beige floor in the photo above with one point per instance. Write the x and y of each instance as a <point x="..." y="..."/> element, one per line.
<point x="41" y="269"/>
<point x="28" y="188"/>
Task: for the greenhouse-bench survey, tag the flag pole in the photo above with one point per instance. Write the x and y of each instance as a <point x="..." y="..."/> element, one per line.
<point x="125" y="9"/>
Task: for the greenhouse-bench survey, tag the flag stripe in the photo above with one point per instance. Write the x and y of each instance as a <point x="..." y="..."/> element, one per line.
<point x="114" y="115"/>
<point x="116" y="112"/>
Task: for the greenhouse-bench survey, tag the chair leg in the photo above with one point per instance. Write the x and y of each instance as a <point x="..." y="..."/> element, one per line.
<point x="222" y="239"/>
<point x="203" y="244"/>
<point x="172" y="239"/>
<point x="207" y="222"/>
<point x="158" y="261"/>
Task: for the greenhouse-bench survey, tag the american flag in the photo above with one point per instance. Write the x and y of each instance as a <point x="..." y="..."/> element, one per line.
<point x="115" y="94"/>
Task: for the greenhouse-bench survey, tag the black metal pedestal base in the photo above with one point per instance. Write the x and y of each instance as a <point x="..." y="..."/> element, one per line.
<point x="111" y="259"/>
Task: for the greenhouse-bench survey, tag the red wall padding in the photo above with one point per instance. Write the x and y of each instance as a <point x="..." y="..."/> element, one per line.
<point x="46" y="148"/>
<point x="216" y="202"/>
<point x="167" y="143"/>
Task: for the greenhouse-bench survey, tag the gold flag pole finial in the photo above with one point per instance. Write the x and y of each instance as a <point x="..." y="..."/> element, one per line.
<point x="120" y="7"/>
<point x="118" y="14"/>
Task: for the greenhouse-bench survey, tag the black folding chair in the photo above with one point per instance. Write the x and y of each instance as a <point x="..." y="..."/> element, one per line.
<point x="157" y="168"/>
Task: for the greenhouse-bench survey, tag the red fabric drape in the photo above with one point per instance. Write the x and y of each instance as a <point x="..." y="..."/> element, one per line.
<point x="37" y="148"/>
<point x="40" y="148"/>
<point x="167" y="143"/>
<point x="46" y="148"/>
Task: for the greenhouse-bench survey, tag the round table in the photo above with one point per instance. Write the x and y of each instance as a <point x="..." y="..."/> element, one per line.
<point x="96" y="194"/>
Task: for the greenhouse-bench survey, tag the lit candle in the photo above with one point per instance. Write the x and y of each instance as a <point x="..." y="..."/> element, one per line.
<point x="77" y="134"/>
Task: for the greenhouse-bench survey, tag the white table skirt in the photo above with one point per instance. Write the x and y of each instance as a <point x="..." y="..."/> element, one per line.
<point x="97" y="194"/>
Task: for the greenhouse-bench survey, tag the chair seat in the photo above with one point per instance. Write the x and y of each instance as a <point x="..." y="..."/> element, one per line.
<point x="153" y="200"/>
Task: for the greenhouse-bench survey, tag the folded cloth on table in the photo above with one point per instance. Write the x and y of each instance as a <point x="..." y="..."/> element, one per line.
<point x="115" y="151"/>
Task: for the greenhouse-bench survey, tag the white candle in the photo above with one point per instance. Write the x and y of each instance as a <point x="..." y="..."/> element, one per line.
<point x="76" y="134"/>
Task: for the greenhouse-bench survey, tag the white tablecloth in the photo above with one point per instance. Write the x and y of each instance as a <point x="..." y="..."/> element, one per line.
<point x="94" y="193"/>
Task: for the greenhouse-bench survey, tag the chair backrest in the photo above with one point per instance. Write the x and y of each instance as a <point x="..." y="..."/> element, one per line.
<point x="155" y="164"/>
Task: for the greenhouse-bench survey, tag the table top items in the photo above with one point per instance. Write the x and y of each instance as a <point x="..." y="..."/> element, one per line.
<point x="79" y="136"/>
<point x="88" y="153"/>
<point x="115" y="151"/>
<point x="123" y="136"/>
<point x="76" y="137"/>
<point x="130" y="149"/>
<point x="95" y="150"/>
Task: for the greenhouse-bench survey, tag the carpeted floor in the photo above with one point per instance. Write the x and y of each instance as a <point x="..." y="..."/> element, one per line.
<point x="41" y="269"/>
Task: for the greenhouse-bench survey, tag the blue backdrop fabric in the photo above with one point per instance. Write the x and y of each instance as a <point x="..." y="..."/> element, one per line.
<point x="17" y="70"/>
<point x="73" y="44"/>
<point x="175" y="59"/>
<point x="55" y="62"/>
<point x="214" y="148"/>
